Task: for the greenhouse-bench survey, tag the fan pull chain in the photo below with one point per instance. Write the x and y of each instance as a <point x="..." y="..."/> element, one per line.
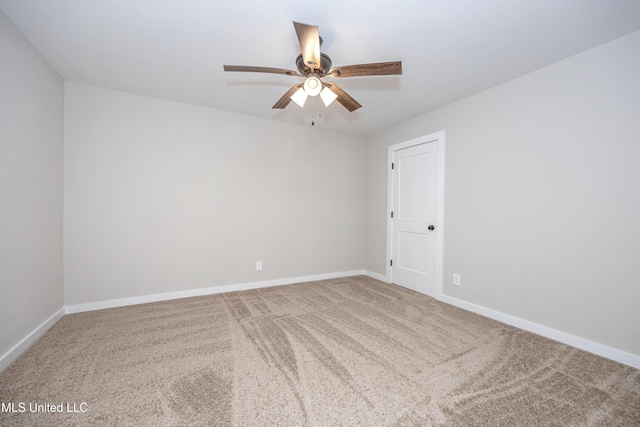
<point x="319" y="114"/>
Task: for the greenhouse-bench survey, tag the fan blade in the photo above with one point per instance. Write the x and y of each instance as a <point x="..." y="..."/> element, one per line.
<point x="343" y="97"/>
<point x="309" y="39"/>
<point x="286" y="98"/>
<point x="375" y="69"/>
<point x="260" y="70"/>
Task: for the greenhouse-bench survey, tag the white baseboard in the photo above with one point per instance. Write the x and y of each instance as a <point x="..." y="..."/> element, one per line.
<point x="100" y="305"/>
<point x="563" y="337"/>
<point x="378" y="276"/>
<point x="27" y="341"/>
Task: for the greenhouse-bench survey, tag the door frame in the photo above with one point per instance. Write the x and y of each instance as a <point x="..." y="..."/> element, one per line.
<point x="435" y="138"/>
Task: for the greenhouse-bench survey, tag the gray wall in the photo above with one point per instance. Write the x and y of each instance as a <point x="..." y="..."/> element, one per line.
<point x="31" y="141"/>
<point x="542" y="209"/>
<point x="167" y="197"/>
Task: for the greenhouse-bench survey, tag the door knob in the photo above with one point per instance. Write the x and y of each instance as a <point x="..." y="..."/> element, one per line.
<point x="431" y="227"/>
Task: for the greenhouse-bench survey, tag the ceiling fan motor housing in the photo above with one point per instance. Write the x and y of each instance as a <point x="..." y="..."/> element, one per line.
<point x="322" y="70"/>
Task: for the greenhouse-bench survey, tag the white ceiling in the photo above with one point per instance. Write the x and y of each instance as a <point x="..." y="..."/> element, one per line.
<point x="450" y="49"/>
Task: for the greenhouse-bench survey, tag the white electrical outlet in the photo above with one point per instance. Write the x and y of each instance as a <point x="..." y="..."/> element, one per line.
<point x="456" y="280"/>
<point x="258" y="265"/>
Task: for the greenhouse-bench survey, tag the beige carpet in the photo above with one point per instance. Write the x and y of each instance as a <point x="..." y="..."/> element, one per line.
<point x="352" y="351"/>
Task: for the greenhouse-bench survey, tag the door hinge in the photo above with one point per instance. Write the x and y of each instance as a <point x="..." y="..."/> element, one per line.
<point x="391" y="262"/>
<point x="391" y="165"/>
<point x="391" y="214"/>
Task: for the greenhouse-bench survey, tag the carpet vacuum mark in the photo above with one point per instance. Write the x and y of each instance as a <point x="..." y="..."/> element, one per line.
<point x="349" y="351"/>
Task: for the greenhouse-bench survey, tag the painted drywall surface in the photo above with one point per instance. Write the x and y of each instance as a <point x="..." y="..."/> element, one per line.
<point x="542" y="195"/>
<point x="31" y="140"/>
<point x="164" y="197"/>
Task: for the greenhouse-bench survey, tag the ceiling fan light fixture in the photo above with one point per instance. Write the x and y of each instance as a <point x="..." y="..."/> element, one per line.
<point x="328" y="96"/>
<point x="312" y="86"/>
<point x="314" y="65"/>
<point x="299" y="97"/>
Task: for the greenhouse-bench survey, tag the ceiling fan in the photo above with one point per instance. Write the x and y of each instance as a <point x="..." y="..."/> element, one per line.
<point x="315" y="65"/>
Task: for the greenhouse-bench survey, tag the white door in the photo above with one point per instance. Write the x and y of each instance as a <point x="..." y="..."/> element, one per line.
<point x="413" y="256"/>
